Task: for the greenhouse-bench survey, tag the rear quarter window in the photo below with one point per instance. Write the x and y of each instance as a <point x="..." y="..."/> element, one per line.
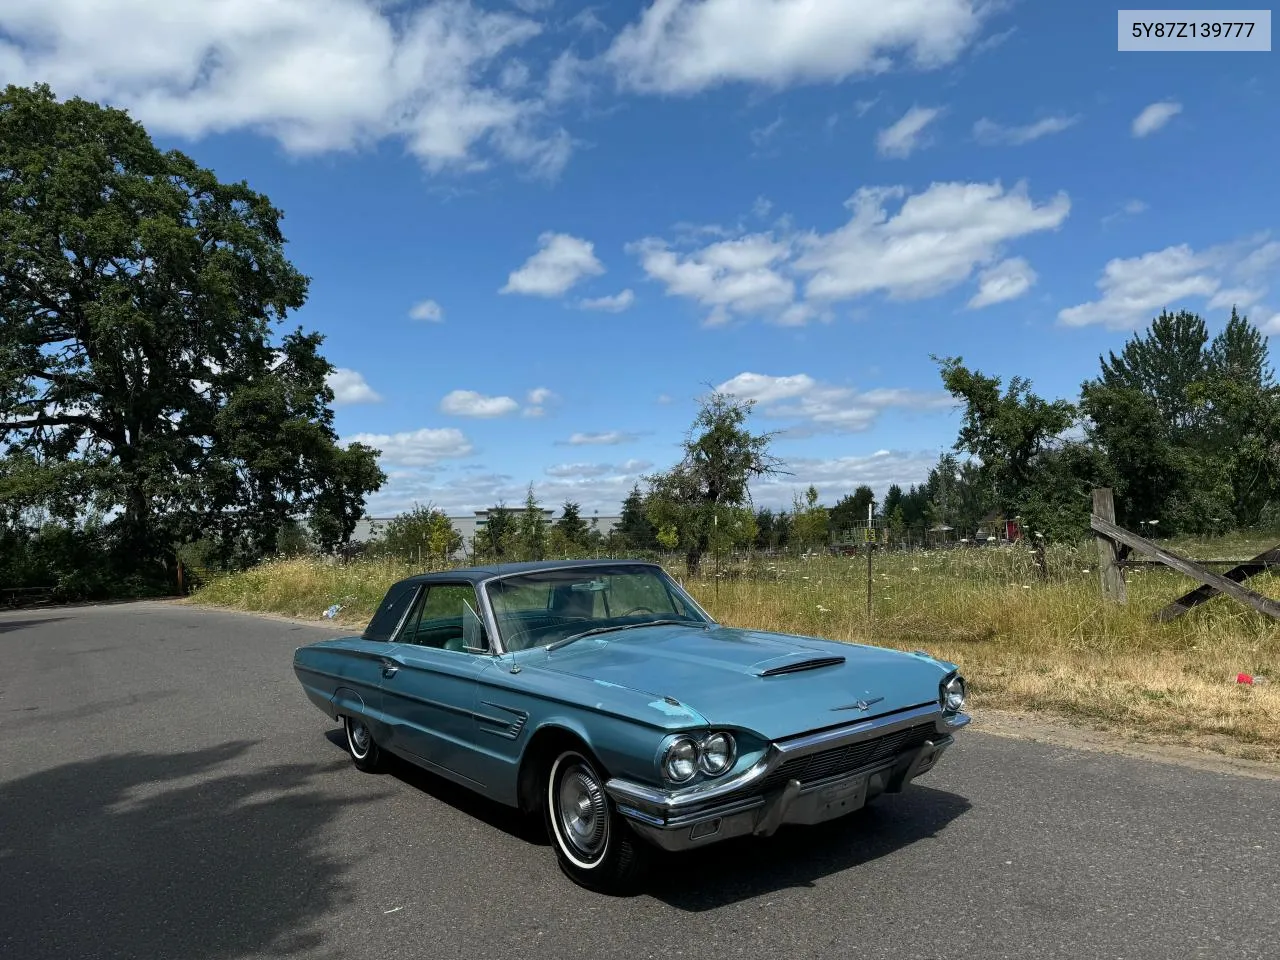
<point x="390" y="611"/>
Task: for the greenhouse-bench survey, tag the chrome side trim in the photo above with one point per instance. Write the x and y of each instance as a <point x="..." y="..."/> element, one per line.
<point x="673" y="801"/>
<point x="853" y="733"/>
<point x="510" y="728"/>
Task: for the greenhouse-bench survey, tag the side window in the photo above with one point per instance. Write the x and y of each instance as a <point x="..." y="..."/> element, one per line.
<point x="448" y="620"/>
<point x="410" y="626"/>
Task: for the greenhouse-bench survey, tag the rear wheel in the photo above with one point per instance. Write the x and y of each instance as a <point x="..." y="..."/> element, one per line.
<point x="360" y="744"/>
<point x="594" y="845"/>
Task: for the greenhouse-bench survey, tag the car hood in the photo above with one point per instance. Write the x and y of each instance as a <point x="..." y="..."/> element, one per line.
<point x="774" y="684"/>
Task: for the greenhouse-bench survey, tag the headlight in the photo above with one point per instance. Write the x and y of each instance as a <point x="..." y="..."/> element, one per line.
<point x="717" y="754"/>
<point x="953" y="693"/>
<point x="680" y="762"/>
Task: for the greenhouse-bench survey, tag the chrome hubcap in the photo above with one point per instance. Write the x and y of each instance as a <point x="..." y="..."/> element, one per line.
<point x="359" y="735"/>
<point x="584" y="820"/>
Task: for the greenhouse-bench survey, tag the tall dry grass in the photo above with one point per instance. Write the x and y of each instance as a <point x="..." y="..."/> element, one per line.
<point x="1052" y="646"/>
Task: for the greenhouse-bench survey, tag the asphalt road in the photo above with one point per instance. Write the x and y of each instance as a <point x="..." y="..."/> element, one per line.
<point x="167" y="792"/>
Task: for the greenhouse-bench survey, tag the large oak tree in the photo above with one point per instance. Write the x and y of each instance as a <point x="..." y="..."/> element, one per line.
<point x="142" y="372"/>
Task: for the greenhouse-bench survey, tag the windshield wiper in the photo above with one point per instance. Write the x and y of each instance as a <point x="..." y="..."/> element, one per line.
<point x="564" y="641"/>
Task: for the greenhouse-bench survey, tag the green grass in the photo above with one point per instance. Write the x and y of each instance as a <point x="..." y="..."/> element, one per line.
<point x="1051" y="646"/>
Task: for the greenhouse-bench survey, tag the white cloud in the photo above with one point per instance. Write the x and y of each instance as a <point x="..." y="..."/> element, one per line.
<point x="561" y="261"/>
<point x="1007" y="280"/>
<point x="614" y="304"/>
<point x="460" y="495"/>
<point x="584" y="471"/>
<point x="1135" y="289"/>
<point x="1155" y="116"/>
<point x="468" y="403"/>
<point x="417" y="448"/>
<point x="935" y="241"/>
<point x="823" y="408"/>
<point x="610" y="438"/>
<point x="731" y="276"/>
<point x="349" y="387"/>
<point x="907" y="134"/>
<point x="427" y="310"/>
<point x="992" y="133"/>
<point x="683" y="46"/>
<point x="1130" y="208"/>
<point x="538" y="398"/>
<point x="762" y="135"/>
<point x="605" y="491"/>
<point x="567" y="78"/>
<point x="316" y="75"/>
<point x="839" y="476"/>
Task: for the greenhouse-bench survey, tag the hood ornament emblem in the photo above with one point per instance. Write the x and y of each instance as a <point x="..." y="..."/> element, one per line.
<point x="862" y="705"/>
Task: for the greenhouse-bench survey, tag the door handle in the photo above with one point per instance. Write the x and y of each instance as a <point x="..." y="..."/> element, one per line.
<point x="389" y="669"/>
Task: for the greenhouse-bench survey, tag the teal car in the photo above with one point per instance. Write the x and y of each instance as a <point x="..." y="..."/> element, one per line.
<point x="600" y="696"/>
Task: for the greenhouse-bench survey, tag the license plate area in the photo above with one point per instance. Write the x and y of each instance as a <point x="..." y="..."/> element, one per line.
<point x="843" y="796"/>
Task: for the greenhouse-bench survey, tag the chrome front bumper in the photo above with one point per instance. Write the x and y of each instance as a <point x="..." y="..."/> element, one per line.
<point x="754" y="802"/>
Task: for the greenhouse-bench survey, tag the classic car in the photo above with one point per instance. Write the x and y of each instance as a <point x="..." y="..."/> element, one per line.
<point x="601" y="696"/>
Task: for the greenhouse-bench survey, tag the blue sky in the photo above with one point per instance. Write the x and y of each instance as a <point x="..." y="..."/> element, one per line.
<point x="537" y="230"/>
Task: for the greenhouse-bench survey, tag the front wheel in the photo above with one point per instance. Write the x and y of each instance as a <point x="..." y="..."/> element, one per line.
<point x="594" y="846"/>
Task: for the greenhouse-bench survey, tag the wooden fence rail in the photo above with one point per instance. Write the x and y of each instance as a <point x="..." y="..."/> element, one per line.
<point x="1114" y="544"/>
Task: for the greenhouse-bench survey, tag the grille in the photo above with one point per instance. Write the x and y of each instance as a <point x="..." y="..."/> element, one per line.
<point x="846" y="759"/>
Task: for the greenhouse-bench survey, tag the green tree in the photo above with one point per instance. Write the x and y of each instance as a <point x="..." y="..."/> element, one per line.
<point x="339" y="504"/>
<point x="721" y="457"/>
<point x="1005" y="431"/>
<point x="571" y="527"/>
<point x="892" y="500"/>
<point x="897" y="524"/>
<point x="1187" y="426"/>
<point x="1162" y="365"/>
<point x="138" y="369"/>
<point x="764" y="529"/>
<point x="532" y="530"/>
<point x="809" y="520"/>
<point x="293" y="540"/>
<point x="499" y="535"/>
<point x="1239" y="353"/>
<point x="634" y="525"/>
<point x="423" y="534"/>
<point x="850" y="509"/>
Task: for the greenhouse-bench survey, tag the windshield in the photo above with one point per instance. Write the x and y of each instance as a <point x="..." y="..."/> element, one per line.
<point x="541" y="608"/>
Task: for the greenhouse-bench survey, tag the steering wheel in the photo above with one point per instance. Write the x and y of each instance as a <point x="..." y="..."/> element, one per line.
<point x="635" y="610"/>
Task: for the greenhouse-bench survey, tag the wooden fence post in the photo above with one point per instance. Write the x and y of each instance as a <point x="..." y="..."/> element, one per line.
<point x="1109" y="569"/>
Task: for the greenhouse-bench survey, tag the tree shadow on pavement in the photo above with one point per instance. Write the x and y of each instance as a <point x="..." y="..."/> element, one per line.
<point x="8" y="625"/>
<point x="167" y="856"/>
<point x="798" y="856"/>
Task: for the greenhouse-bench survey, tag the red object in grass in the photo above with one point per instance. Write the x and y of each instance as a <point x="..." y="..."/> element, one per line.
<point x="1244" y="678"/>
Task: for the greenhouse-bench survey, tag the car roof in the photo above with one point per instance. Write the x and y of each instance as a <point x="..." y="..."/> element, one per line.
<point x="401" y="593"/>
<point x="488" y="571"/>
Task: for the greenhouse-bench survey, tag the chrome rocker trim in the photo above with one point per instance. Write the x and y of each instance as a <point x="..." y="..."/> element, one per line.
<point x="719" y="809"/>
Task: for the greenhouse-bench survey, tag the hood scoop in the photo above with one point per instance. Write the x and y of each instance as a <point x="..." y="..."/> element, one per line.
<point x="794" y="663"/>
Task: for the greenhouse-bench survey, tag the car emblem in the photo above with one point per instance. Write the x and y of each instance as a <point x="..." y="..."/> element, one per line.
<point x="860" y="704"/>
